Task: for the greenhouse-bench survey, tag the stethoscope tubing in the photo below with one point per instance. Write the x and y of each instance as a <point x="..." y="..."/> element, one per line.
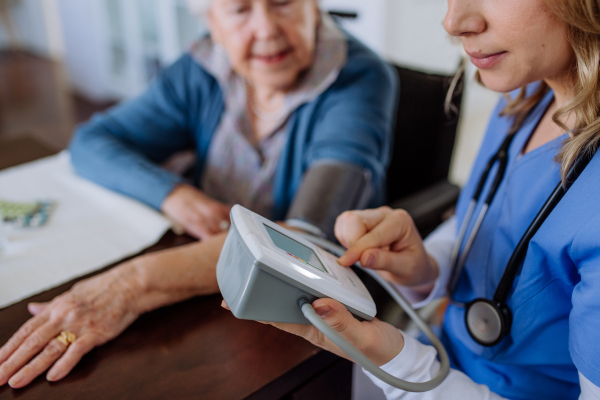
<point x="518" y="255"/>
<point x="501" y="156"/>
<point x="461" y="233"/>
<point x="460" y="264"/>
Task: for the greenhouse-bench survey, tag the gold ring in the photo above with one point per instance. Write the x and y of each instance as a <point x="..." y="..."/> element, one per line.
<point x="66" y="338"/>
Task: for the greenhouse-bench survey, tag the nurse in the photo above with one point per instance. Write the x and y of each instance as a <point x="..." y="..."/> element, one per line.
<point x="546" y="55"/>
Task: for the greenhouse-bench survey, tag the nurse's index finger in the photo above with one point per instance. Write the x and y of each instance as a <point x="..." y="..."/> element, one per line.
<point x="352" y="225"/>
<point x="373" y="217"/>
<point x="369" y="218"/>
<point x="390" y="230"/>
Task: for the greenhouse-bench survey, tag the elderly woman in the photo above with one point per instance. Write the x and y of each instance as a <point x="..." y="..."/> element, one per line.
<point x="276" y="90"/>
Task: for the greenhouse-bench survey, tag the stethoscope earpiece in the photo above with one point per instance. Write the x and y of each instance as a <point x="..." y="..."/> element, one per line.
<point x="487" y="322"/>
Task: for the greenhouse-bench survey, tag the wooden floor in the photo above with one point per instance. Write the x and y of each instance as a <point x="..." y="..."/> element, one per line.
<point x="36" y="101"/>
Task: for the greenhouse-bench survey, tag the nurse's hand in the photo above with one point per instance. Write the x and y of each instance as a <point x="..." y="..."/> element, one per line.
<point x="198" y="214"/>
<point x="386" y="240"/>
<point x="377" y="340"/>
<point x="96" y="310"/>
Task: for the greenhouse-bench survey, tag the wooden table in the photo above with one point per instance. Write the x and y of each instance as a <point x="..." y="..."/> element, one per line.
<point x="193" y="349"/>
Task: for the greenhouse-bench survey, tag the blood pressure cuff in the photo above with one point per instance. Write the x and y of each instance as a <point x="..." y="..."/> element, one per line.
<point x="328" y="188"/>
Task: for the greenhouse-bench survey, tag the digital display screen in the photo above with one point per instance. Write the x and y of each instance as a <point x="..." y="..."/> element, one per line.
<point x="295" y="249"/>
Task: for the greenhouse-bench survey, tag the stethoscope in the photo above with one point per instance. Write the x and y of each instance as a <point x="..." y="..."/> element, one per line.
<point x="489" y="321"/>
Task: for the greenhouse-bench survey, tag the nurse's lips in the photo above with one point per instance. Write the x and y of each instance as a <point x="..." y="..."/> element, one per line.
<point x="486" y="61"/>
<point x="273" y="58"/>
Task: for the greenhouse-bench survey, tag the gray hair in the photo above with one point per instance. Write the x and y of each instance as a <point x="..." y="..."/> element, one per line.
<point x="200" y="7"/>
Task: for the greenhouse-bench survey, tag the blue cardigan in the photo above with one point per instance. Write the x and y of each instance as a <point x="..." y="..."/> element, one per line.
<point x="351" y="121"/>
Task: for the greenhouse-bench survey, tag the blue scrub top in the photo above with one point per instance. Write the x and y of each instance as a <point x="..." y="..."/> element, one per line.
<point x="555" y="299"/>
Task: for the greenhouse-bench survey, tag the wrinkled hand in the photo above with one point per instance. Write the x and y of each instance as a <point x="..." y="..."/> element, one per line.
<point x="96" y="310"/>
<point x="200" y="216"/>
<point x="386" y="240"/>
<point x="377" y="340"/>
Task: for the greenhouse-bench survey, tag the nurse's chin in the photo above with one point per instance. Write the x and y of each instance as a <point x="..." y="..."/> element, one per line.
<point x="500" y="81"/>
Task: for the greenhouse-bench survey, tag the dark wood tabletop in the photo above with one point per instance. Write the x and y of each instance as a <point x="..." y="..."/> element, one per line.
<point x="194" y="349"/>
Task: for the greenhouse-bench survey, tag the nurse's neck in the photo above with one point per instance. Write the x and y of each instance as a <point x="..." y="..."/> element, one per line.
<point x="547" y="130"/>
<point x="563" y="87"/>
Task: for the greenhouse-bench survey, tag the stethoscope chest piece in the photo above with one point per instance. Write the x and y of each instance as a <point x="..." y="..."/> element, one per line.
<point x="487" y="322"/>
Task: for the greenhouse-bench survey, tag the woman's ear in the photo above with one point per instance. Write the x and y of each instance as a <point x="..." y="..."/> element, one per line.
<point x="213" y="25"/>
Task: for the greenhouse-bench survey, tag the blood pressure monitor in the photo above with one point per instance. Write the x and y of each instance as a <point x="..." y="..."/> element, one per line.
<point x="265" y="269"/>
<point x="268" y="273"/>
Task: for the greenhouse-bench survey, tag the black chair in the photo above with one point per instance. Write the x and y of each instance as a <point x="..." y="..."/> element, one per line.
<point x="423" y="142"/>
<point x="417" y="179"/>
<point x="424" y="137"/>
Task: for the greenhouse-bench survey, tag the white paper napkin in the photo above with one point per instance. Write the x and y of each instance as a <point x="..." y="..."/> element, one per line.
<point x="90" y="228"/>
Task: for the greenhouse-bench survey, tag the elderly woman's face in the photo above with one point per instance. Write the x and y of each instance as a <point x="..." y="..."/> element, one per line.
<point x="269" y="42"/>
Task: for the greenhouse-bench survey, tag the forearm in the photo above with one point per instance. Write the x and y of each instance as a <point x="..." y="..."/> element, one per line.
<point x="169" y="276"/>
<point x="418" y="363"/>
<point x="173" y="275"/>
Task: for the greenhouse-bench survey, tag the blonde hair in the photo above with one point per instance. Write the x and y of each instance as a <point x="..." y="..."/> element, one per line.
<point x="583" y="32"/>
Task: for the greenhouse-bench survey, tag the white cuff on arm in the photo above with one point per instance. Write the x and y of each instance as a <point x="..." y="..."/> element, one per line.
<point x="418" y="363"/>
<point x="439" y="245"/>
<point x="589" y="391"/>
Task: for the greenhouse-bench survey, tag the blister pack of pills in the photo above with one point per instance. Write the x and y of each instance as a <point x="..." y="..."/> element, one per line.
<point x="26" y="214"/>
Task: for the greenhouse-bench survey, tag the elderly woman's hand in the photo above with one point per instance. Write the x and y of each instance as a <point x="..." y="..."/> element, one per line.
<point x="95" y="310"/>
<point x="98" y="309"/>
<point x="200" y="216"/>
<point x="386" y="240"/>
<point x="377" y="340"/>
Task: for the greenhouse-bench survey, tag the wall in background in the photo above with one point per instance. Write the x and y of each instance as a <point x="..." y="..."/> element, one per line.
<point x="37" y="27"/>
<point x="56" y="45"/>
<point x="85" y="50"/>
<point x="409" y="32"/>
<point x="114" y="47"/>
<point x="415" y="36"/>
<point x="369" y="26"/>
